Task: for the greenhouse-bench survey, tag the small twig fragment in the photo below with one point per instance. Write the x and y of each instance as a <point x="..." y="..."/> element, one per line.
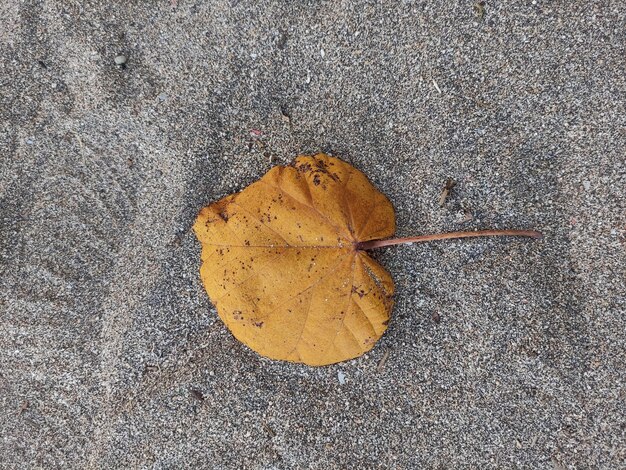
<point x="447" y="189"/>
<point x="269" y="430"/>
<point x="23" y="407"/>
<point x="382" y="362"/>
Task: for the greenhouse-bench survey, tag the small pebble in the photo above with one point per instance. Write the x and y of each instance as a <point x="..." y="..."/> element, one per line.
<point x="342" y="378"/>
<point x="587" y="185"/>
<point x="120" y="60"/>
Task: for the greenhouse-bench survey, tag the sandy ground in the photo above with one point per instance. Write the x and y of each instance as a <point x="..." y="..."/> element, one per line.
<point x="500" y="353"/>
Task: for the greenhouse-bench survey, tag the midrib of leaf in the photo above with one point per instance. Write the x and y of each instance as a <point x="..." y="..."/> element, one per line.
<point x="314" y="247"/>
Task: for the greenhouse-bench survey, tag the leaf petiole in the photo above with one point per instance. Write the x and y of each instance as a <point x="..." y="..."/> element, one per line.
<point x="444" y="236"/>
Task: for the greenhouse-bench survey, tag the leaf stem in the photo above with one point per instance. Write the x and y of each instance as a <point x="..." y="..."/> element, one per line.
<point x="443" y="236"/>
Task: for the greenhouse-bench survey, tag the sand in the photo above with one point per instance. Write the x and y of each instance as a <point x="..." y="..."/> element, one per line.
<point x="501" y="353"/>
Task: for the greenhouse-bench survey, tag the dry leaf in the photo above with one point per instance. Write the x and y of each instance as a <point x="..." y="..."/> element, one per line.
<point x="284" y="261"/>
<point x="281" y="264"/>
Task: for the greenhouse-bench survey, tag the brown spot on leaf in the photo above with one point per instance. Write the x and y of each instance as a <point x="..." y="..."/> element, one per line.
<point x="223" y="215"/>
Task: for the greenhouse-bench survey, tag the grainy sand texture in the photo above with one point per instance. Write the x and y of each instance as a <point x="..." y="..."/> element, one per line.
<point x="120" y="120"/>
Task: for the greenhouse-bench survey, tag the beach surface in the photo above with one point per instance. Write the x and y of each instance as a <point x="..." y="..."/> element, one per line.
<point x="119" y="121"/>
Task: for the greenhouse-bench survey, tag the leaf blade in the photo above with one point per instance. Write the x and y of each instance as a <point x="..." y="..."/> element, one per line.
<point x="281" y="263"/>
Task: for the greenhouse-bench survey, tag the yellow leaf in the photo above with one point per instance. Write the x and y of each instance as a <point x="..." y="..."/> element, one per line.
<point x="280" y="262"/>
